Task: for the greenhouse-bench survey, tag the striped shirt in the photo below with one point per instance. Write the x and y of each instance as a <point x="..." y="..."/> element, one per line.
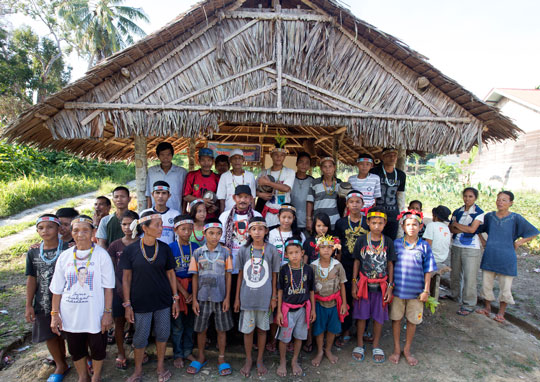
<point x="410" y="267"/>
<point x="324" y="200"/>
<point x="370" y="187"/>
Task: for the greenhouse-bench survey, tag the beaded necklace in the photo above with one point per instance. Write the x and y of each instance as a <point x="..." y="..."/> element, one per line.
<point x="379" y="248"/>
<point x="234" y="183"/>
<point x="199" y="239"/>
<point x="75" y="258"/>
<point x="50" y="261"/>
<point x="215" y="257"/>
<point x="185" y="260"/>
<point x="320" y="270"/>
<point x="153" y="258"/>
<point x="410" y="246"/>
<point x="332" y="189"/>
<point x="390" y="183"/>
<point x="297" y="288"/>
<point x="357" y="228"/>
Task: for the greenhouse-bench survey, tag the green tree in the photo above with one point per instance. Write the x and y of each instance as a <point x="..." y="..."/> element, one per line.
<point x="100" y="28"/>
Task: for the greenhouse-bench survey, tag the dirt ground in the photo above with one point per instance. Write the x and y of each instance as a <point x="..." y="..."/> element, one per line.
<point x="449" y="348"/>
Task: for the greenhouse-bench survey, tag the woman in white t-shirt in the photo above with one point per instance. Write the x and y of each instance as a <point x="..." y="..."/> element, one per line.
<point x="82" y="287"/>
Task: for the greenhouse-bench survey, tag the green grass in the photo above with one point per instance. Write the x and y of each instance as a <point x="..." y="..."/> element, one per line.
<point x="8" y="230"/>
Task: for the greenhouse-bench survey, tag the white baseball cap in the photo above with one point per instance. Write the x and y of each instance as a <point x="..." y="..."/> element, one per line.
<point x="236" y="152"/>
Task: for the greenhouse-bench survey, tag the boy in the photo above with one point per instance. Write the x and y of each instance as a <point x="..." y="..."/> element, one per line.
<point x="202" y="180"/>
<point x="331" y="302"/>
<point x="372" y="284"/>
<point x="65" y="216"/>
<point x="182" y="327"/>
<point x="438" y="236"/>
<point x="232" y="179"/>
<point x="296" y="302"/>
<point x="323" y="194"/>
<point x="256" y="295"/>
<point x="365" y="182"/>
<point x="110" y="228"/>
<point x="40" y="264"/>
<point x="417" y="206"/>
<point x="221" y="164"/>
<point x="301" y="186"/>
<point x="160" y="194"/>
<point x="349" y="229"/>
<point x="211" y="267"/>
<point x="412" y="277"/>
<point x="168" y="172"/>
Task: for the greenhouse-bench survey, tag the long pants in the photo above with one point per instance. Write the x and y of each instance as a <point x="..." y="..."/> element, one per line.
<point x="182" y="334"/>
<point x="465" y="263"/>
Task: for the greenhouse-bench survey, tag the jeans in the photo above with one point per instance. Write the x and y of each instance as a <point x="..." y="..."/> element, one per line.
<point x="465" y="263"/>
<point x="182" y="334"/>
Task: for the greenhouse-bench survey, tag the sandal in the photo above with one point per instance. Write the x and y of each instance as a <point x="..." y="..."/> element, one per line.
<point x="368" y="337"/>
<point x="361" y="351"/>
<point x="89" y="367"/>
<point x="121" y="364"/>
<point x="134" y="378"/>
<point x="342" y="341"/>
<point x="379" y="352"/>
<point x="463" y="312"/>
<point x="225" y="369"/>
<point x="484" y="312"/>
<point x="146" y="358"/>
<point x="500" y="319"/>
<point x="196" y="367"/>
<point x="58" y="377"/>
<point x="164" y="376"/>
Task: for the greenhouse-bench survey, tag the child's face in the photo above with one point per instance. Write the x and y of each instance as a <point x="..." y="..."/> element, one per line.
<point x="328" y="169"/>
<point x="364" y="167"/>
<point x="303" y="165"/>
<point x="278" y="157"/>
<point x="47" y="230"/>
<point x="126" y="222"/>
<point x="121" y="199"/>
<point x="411" y="227"/>
<point x="503" y="202"/>
<point x="200" y="216"/>
<point x="355" y="204"/>
<point x="294" y="254"/>
<point x="415" y="207"/>
<point x="184" y="232"/>
<point x="161" y="197"/>
<point x="326" y="252"/>
<point x="257" y="233"/>
<point x="320" y="228"/>
<point x="376" y="224"/>
<point x="206" y="163"/>
<point x="286" y="219"/>
<point x="212" y="236"/>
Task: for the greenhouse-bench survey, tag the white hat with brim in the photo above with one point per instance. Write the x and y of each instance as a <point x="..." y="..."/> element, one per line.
<point x="236" y="152"/>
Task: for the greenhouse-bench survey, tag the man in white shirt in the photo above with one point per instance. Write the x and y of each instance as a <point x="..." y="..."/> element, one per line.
<point x="233" y="178"/>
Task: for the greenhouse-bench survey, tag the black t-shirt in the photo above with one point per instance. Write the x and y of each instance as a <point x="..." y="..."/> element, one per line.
<point x="373" y="265"/>
<point x="150" y="288"/>
<point x="309" y="250"/>
<point x="348" y="232"/>
<point x="303" y="287"/>
<point x="391" y="183"/>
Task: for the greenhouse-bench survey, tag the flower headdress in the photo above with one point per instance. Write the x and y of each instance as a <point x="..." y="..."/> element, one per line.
<point x="280" y="144"/>
<point x="410" y="214"/>
<point x="326" y="241"/>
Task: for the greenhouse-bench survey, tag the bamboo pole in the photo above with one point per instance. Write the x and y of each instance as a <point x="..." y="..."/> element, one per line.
<point x="402" y="160"/>
<point x="279" y="58"/>
<point x="141" y="163"/>
<point x="192" y="147"/>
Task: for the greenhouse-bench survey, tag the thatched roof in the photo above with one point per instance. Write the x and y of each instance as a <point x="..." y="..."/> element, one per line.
<point x="228" y="69"/>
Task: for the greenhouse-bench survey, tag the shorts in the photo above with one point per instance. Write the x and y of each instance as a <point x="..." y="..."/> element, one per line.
<point x="297" y="328"/>
<point x="223" y="320"/>
<point x="41" y="329"/>
<point x="117" y="309"/>
<point x="249" y="319"/>
<point x="78" y="344"/>
<point x="143" y="325"/>
<point x="505" y="287"/>
<point x="364" y="309"/>
<point x="327" y="320"/>
<point x="412" y="309"/>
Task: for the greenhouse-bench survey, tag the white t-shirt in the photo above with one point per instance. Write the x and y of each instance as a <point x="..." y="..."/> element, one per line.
<point x="283" y="176"/>
<point x="240" y="234"/>
<point x="227" y="184"/>
<point x="439" y="233"/>
<point x="370" y="187"/>
<point x="466" y="219"/>
<point x="167" y="218"/>
<point x="278" y="241"/>
<point x="83" y="295"/>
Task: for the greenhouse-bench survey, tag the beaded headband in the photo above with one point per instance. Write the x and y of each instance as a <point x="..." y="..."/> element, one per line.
<point x="148" y="217"/>
<point x="287" y="207"/>
<point x="196" y="201"/>
<point x="377" y="214"/>
<point x="410" y="214"/>
<point x="327" y="158"/>
<point x="355" y="194"/>
<point x="47" y="219"/>
<point x="213" y="225"/>
<point x="280" y="150"/>
<point x="83" y="220"/>
<point x="256" y="223"/>
<point x="293" y="242"/>
<point x="161" y="188"/>
<point x="185" y="221"/>
<point x="364" y="160"/>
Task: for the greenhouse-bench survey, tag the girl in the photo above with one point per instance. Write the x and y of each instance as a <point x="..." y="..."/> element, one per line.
<point x="197" y="210"/>
<point x="115" y="251"/>
<point x="321" y="227"/>
<point x="286" y="229"/>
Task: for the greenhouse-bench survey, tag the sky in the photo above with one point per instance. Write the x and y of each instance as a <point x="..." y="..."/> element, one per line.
<point x="479" y="43"/>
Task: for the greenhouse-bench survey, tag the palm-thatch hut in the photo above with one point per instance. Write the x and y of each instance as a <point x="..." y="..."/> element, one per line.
<point x="243" y="70"/>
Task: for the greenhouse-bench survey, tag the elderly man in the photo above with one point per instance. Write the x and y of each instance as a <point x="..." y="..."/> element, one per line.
<point x="233" y="178"/>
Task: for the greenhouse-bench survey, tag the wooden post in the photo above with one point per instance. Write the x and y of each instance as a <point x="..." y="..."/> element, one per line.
<point x="141" y="165"/>
<point x="191" y="153"/>
<point x="402" y="160"/>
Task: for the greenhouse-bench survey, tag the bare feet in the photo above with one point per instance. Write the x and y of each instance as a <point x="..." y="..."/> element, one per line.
<point x="317" y="360"/>
<point x="296" y="369"/>
<point x="394" y="358"/>
<point x="246" y="369"/>
<point x="261" y="369"/>
<point x="331" y="357"/>
<point x="179" y="363"/>
<point x="282" y="369"/>
<point x="410" y="359"/>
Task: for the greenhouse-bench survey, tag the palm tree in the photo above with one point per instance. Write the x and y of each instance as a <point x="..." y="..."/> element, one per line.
<point x="98" y="28"/>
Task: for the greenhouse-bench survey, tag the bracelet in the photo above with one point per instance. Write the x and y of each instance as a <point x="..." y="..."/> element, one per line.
<point x="107" y="310"/>
<point x="126" y="304"/>
<point x="426" y="291"/>
<point x="354" y="281"/>
<point x="54" y="313"/>
<point x="274" y="298"/>
<point x="176" y="297"/>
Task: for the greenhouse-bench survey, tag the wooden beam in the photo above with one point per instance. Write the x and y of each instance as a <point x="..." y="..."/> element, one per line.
<point x="277" y="16"/>
<point x="263" y="135"/>
<point x="141" y="164"/>
<point x="247" y="95"/>
<point x="243" y="109"/>
<point x="279" y="58"/>
<point x="191" y="153"/>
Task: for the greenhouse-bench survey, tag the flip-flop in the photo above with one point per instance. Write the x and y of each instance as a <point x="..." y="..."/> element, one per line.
<point x="164" y="376"/>
<point x="359" y="350"/>
<point x="378" y="351"/>
<point x="89" y="367"/>
<point x="197" y="366"/>
<point x="342" y="341"/>
<point x="120" y="364"/>
<point x="58" y="377"/>
<point x="463" y="312"/>
<point x="500" y="319"/>
<point x="484" y="312"/>
<point x="223" y="367"/>
<point x="136" y="378"/>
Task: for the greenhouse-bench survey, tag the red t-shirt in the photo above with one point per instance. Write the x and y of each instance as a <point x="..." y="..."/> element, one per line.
<point x="197" y="184"/>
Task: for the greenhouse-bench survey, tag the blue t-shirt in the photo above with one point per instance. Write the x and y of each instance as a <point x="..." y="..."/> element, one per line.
<point x="500" y="255"/>
<point x="410" y="268"/>
<point x="182" y="264"/>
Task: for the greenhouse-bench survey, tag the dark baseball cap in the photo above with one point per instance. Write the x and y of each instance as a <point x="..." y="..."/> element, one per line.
<point x="442" y="212"/>
<point x="242" y="189"/>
